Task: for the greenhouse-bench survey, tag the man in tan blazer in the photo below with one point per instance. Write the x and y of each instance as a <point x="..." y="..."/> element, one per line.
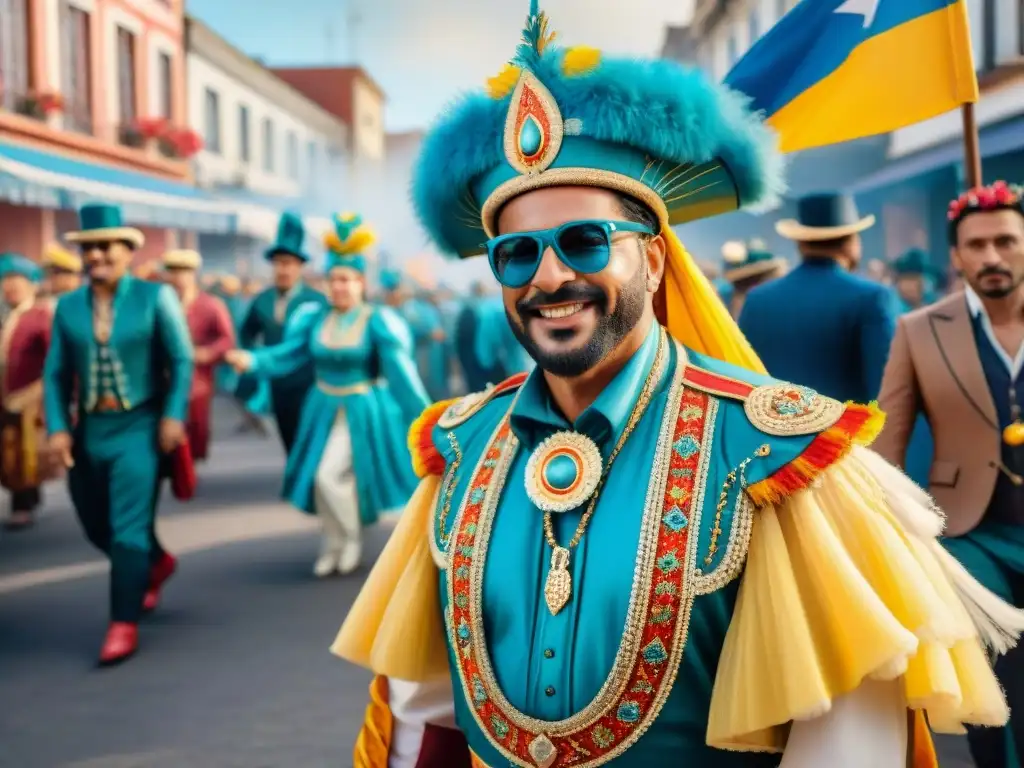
<point x="961" y="363"/>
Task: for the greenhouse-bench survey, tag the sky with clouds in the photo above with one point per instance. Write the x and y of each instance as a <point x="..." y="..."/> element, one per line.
<point x="423" y="53"/>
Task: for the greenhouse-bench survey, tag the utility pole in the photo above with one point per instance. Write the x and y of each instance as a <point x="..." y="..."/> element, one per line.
<point x="354" y="20"/>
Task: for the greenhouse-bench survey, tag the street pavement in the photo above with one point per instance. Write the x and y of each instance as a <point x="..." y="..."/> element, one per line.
<point x="233" y="670"/>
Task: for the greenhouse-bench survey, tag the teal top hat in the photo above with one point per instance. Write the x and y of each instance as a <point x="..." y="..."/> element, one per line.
<point x="390" y="279"/>
<point x="749" y="261"/>
<point x="824" y="216"/>
<point x="16" y="264"/>
<point x="915" y="262"/>
<point x="101" y="222"/>
<point x="291" y="234"/>
<point x="347" y="242"/>
<point x="654" y="130"/>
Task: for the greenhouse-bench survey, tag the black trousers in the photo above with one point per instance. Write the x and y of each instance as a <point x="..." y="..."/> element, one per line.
<point x="26" y="500"/>
<point x="990" y="747"/>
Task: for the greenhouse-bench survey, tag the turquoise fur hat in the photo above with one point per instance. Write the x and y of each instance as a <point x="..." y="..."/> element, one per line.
<point x="655" y="130"/>
<point x="390" y="279"/>
<point x="749" y="260"/>
<point x="16" y="264"/>
<point x="347" y="242"/>
<point x="291" y="234"/>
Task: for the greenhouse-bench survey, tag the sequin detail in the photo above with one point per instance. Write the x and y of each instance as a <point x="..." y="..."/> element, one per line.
<point x="657" y="638"/>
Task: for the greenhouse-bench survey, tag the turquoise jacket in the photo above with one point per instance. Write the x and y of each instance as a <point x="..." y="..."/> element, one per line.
<point x="496" y="347"/>
<point x="669" y="524"/>
<point x="424" y="320"/>
<point x="260" y="325"/>
<point x="149" y="339"/>
<point x="364" y="368"/>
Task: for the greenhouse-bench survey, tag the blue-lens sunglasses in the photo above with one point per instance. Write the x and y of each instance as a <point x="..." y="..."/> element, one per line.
<point x="583" y="246"/>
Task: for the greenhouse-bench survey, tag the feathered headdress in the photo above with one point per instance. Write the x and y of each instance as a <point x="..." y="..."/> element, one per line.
<point x="347" y="242"/>
<point x="656" y="131"/>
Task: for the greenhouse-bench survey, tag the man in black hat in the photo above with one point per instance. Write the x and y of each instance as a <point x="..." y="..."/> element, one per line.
<point x="820" y="324"/>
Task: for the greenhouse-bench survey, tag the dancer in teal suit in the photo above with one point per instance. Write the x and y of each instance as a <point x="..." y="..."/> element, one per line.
<point x="496" y="346"/>
<point x="350" y="461"/>
<point x="121" y="352"/>
<point x="640" y="554"/>
<point x="265" y="321"/>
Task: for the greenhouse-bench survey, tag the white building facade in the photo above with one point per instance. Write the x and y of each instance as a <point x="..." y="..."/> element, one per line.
<point x="265" y="144"/>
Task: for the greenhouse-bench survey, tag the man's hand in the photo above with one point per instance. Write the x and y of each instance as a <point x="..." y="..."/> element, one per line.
<point x="437" y="335"/>
<point x="204" y="356"/>
<point x="60" y="445"/>
<point x="172" y="434"/>
<point x="238" y="359"/>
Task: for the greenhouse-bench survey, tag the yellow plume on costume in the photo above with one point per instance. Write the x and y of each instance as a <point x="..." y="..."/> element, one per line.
<point x="580" y="60"/>
<point x="357" y="242"/>
<point x="695" y="316"/>
<point x="502" y="84"/>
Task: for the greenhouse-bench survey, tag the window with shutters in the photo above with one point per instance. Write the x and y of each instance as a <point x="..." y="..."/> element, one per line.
<point x="76" y="68"/>
<point x="127" y="105"/>
<point x="14" y="52"/>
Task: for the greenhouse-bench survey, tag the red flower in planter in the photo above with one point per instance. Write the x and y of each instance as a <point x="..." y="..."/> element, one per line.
<point x="50" y="102"/>
<point x="184" y="141"/>
<point x="151" y="127"/>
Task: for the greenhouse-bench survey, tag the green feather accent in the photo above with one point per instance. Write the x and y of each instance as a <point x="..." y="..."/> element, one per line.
<point x="536" y="37"/>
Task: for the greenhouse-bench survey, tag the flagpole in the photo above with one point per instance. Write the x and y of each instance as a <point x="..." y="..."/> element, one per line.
<point x="972" y="149"/>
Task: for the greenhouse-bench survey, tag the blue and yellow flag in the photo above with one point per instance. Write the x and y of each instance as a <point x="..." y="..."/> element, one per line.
<point x="836" y="70"/>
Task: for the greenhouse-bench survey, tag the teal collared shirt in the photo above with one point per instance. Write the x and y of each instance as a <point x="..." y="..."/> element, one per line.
<point x="535" y="416"/>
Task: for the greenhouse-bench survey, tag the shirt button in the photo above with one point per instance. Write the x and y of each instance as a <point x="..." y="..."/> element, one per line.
<point x="548" y="653"/>
<point x="549" y="691"/>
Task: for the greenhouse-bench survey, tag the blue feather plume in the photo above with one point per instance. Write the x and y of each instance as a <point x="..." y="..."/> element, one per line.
<point x="535" y="38"/>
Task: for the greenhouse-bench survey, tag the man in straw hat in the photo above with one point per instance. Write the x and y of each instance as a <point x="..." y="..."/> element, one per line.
<point x="820" y="324"/>
<point x="120" y="353"/>
<point x="63" y="270"/>
<point x="641" y="553"/>
<point x="213" y="334"/>
<point x="747" y="266"/>
<point x="267" y="316"/>
<point x="24" y="340"/>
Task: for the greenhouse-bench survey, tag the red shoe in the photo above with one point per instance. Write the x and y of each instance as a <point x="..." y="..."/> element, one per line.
<point x="121" y="643"/>
<point x="158" y="575"/>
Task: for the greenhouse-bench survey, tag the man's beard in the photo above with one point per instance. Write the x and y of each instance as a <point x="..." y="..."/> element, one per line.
<point x="996" y="293"/>
<point x="610" y="331"/>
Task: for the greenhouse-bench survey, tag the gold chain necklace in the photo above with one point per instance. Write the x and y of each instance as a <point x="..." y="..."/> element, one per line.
<point x="558" y="587"/>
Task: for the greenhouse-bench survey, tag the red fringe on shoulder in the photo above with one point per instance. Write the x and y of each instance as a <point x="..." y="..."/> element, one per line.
<point x="426" y="459"/>
<point x="516" y="380"/>
<point x="859" y="425"/>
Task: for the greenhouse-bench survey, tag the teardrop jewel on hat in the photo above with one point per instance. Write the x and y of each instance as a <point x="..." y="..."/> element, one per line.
<point x="563" y="472"/>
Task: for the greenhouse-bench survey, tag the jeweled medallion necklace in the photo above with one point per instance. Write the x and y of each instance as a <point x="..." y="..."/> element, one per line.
<point x="564" y="471"/>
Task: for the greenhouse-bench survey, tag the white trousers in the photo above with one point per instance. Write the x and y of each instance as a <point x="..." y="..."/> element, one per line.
<point x="335" y="496"/>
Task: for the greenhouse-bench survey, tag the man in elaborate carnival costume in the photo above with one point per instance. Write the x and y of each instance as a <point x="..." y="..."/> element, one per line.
<point x="266" y="319"/>
<point x="120" y="354"/>
<point x="350" y="462"/>
<point x="213" y="334"/>
<point x="642" y="554"/>
<point x="24" y="340"/>
<point x="63" y="270"/>
<point x="960" y="363"/>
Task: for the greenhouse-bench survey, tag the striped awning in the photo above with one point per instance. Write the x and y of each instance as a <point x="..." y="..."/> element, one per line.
<point x="45" y="179"/>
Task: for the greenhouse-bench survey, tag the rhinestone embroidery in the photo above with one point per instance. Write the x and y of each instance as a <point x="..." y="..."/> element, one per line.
<point x="653" y="645"/>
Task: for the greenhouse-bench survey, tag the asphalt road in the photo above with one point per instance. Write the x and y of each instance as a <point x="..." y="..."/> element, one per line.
<point x="234" y="670"/>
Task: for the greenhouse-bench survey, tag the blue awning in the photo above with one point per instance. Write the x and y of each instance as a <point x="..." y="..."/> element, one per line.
<point x="33" y="177"/>
<point x="258" y="214"/>
<point x="994" y="140"/>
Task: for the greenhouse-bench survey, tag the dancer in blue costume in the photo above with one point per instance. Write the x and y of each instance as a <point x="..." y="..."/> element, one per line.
<point x="427" y="327"/>
<point x="639" y="554"/>
<point x="497" y="348"/>
<point x="120" y="350"/>
<point x="266" y="319"/>
<point x="350" y="462"/>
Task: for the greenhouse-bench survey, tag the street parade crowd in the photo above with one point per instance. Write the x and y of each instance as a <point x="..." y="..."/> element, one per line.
<point x="647" y="512"/>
